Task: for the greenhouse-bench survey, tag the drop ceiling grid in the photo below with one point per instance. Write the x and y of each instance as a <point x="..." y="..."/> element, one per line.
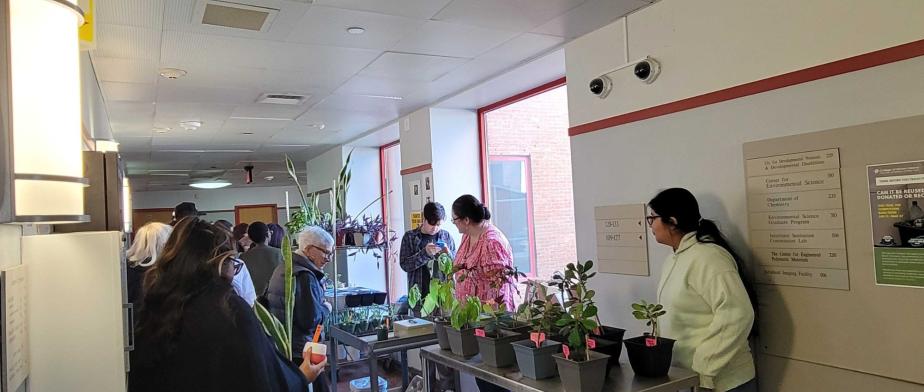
<point x="118" y="91"/>
<point x="454" y="40"/>
<point x="127" y="42"/>
<point x="418" y="9"/>
<point x="141" y="13"/>
<point x="590" y="16"/>
<point x="327" y="26"/>
<point x="514" y="15"/>
<point x="179" y="15"/>
<point x="127" y="70"/>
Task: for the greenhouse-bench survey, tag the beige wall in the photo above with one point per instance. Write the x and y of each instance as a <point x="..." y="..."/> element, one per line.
<point x="706" y="46"/>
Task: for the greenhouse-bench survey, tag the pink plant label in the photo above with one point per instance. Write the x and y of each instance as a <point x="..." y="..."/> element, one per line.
<point x="566" y="350"/>
<point x="479" y="332"/>
<point x="537" y="337"/>
<point x="591" y="344"/>
<point x="651" y="342"/>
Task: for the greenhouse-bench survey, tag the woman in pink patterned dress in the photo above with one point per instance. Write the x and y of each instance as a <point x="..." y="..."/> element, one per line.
<point x="484" y="255"/>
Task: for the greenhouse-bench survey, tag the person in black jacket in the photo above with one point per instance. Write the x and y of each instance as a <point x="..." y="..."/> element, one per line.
<point x="315" y="247"/>
<point x="193" y="334"/>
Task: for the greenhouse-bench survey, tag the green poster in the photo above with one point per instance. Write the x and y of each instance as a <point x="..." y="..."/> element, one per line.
<point x="896" y="194"/>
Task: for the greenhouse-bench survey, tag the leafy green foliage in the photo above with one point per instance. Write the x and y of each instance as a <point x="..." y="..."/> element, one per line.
<point x="279" y="332"/>
<point x="343" y="185"/>
<point x="413" y="296"/>
<point x="580" y="318"/>
<point x="466" y="314"/>
<point x="542" y="314"/>
<point x="309" y="214"/>
<point x="650" y="312"/>
<point x="442" y="293"/>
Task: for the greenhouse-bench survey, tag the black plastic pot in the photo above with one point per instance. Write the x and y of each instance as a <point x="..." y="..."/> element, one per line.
<point x="442" y="338"/>
<point x="582" y="376"/>
<point x="353" y="300"/>
<point x="367" y="297"/>
<point x="652" y="361"/>
<point x="496" y="351"/>
<point x="378" y="298"/>
<point x="609" y="342"/>
<point x="522" y="329"/>
<point x="462" y="343"/>
<point x="536" y="363"/>
<point x="383" y="334"/>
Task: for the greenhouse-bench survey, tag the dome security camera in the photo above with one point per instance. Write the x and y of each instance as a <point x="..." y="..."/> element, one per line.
<point x="601" y="86"/>
<point x="647" y="70"/>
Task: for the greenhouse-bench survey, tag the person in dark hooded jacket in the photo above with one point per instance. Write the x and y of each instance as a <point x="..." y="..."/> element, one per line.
<point x="315" y="247"/>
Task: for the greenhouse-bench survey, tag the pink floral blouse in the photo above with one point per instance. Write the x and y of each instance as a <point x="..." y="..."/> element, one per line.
<point x="481" y="262"/>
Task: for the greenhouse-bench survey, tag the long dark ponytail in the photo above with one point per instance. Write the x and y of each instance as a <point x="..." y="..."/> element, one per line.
<point x="681" y="205"/>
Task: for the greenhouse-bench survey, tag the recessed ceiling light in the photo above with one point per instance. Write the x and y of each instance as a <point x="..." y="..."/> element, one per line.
<point x="246" y="133"/>
<point x="210" y="184"/>
<point x="161" y="129"/>
<point x="172" y="73"/>
<point x="391" y="97"/>
<point x="356" y="30"/>
<point x="190" y="125"/>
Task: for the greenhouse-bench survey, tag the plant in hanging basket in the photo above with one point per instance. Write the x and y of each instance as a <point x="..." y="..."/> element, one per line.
<point x="650" y="354"/>
<point x="581" y="369"/>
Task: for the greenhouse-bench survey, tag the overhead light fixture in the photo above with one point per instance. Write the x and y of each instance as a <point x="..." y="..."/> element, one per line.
<point x="161" y="130"/>
<point x="391" y="97"/>
<point x="210" y="184"/>
<point x="247" y="133"/>
<point x="107" y="145"/>
<point x="207" y="151"/>
<point x="41" y="59"/>
<point x="355" y="30"/>
<point x="172" y="73"/>
<point x="191" y="125"/>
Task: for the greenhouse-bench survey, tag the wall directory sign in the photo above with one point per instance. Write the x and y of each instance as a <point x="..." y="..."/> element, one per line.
<point x="796" y="219"/>
<point x="896" y="194"/>
<point x="622" y="239"/>
<point x="15" y="332"/>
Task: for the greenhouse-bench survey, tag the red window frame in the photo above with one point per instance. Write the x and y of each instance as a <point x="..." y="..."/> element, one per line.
<point x="531" y="228"/>
<point x="383" y="171"/>
<point x="485" y="158"/>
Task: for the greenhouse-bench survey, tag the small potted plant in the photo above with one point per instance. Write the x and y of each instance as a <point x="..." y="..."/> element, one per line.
<point x="581" y="368"/>
<point x="382" y="332"/>
<point x="534" y="355"/>
<point x="440" y="301"/>
<point x="463" y="320"/>
<point x="494" y="341"/>
<point x="650" y="354"/>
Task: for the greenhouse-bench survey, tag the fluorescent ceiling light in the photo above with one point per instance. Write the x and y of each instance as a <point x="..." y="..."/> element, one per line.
<point x="391" y="97"/>
<point x="355" y="30"/>
<point x="259" y="118"/>
<point x="210" y="184"/>
<point x="205" y="151"/>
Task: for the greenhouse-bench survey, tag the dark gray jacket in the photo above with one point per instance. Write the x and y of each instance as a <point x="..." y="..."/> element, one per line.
<point x="309" y="309"/>
<point x="261" y="261"/>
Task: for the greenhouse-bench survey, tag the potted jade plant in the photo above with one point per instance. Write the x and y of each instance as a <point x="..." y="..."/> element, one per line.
<point x="650" y="354"/>
<point x="463" y="319"/>
<point x="440" y="300"/>
<point x="534" y="355"/>
<point x="581" y="368"/>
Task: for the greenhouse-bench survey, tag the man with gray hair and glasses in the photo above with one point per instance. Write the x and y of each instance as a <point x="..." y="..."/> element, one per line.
<point x="315" y="248"/>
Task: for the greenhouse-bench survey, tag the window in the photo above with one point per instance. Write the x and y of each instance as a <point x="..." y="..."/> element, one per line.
<point x="512" y="207"/>
<point x="393" y="208"/>
<point x="526" y="167"/>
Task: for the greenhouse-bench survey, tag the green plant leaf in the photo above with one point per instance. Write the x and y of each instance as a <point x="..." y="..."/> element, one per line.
<point x="588" y="265"/>
<point x="589" y="324"/>
<point x="638" y="307"/>
<point x="591" y="311"/>
<point x="289" y="287"/>
<point x="274" y="329"/>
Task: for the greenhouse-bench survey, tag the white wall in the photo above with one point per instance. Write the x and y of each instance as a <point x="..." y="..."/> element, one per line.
<point x="701" y="149"/>
<point x="415" y="139"/>
<point x="456" y="159"/>
<point x="708" y="45"/>
<point x="324" y="169"/>
<point x="365" y="182"/>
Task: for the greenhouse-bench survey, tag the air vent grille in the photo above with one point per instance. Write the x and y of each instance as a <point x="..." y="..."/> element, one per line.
<point x="235" y="16"/>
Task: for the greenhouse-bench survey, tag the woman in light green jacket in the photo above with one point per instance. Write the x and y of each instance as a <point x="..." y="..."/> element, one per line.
<point x="710" y="311"/>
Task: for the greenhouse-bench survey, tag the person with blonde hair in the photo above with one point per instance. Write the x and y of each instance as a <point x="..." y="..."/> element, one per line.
<point x="147" y="247"/>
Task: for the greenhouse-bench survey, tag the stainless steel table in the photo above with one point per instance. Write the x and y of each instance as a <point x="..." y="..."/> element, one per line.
<point x="621" y="378"/>
<point x="373" y="349"/>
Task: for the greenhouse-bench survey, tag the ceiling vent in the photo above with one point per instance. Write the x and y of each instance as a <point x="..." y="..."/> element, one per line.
<point x="283" y="99"/>
<point x="235" y="15"/>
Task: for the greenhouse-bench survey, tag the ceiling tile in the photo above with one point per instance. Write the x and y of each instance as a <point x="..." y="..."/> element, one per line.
<point x="417" y="9"/>
<point x="109" y="69"/>
<point x="375" y="106"/>
<point x="141" y="13"/>
<point x="523" y="48"/>
<point x="138" y="92"/>
<point x="455" y="40"/>
<point x="133" y="143"/>
<point x="237" y="125"/>
<point x="514" y="15"/>
<point x="408" y="66"/>
<point x="179" y="141"/>
<point x="127" y="42"/>
<point x="588" y="17"/>
<point x="270" y="111"/>
<point x="184" y="49"/>
<point x="207" y="112"/>
<point x="327" y="26"/>
<point x="124" y="112"/>
<point x="368" y="85"/>
<point x="224" y="75"/>
<point x="179" y="17"/>
<point x="171" y="91"/>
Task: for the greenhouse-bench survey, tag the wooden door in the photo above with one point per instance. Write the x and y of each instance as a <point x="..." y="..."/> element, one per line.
<point x="142" y="216"/>
<point x="266" y="213"/>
